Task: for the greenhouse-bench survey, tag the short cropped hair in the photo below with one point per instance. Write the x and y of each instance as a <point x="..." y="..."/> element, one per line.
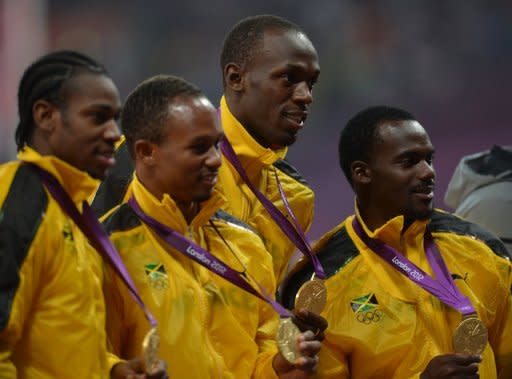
<point x="44" y="79"/>
<point x="246" y="37"/>
<point x="359" y="135"/>
<point x="147" y="108"/>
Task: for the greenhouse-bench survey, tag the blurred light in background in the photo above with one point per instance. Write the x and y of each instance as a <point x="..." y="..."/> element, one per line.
<point x="447" y="62"/>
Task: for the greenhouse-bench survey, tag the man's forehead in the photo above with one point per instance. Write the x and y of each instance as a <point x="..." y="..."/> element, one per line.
<point x="95" y="88"/>
<point x="402" y="135"/>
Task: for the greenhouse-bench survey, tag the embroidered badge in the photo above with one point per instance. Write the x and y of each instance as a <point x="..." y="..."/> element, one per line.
<point x="366" y="309"/>
<point x="156" y="275"/>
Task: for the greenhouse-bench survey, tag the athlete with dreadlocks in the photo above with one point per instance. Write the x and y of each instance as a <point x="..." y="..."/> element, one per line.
<point x="51" y="305"/>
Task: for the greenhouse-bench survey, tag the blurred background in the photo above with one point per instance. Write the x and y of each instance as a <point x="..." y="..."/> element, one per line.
<point x="447" y="62"/>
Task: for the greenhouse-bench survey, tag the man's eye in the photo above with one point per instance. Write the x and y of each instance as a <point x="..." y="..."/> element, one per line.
<point x="200" y="149"/>
<point x="409" y="161"/>
<point x="100" y="118"/>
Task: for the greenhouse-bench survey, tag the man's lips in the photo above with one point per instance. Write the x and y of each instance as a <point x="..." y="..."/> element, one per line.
<point x="107" y="157"/>
<point x="425" y="192"/>
<point x="210" y="178"/>
<point x="297" y="118"/>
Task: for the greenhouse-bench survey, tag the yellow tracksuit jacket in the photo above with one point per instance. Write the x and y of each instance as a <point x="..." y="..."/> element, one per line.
<point x="208" y="327"/>
<point x="261" y="165"/>
<point x="381" y="325"/>
<point x="52" y="316"/>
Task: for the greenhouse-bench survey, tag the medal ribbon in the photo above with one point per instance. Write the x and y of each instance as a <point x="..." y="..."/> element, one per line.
<point x="294" y="231"/>
<point x="441" y="287"/>
<point x="203" y="257"/>
<point x="91" y="228"/>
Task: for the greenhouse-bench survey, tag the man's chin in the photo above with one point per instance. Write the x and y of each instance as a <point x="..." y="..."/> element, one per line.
<point x="423" y="214"/>
<point x="98" y="175"/>
<point x="203" y="197"/>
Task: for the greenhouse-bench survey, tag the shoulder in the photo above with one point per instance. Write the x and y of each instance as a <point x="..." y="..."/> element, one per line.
<point x="334" y="250"/>
<point x="122" y="218"/>
<point x="442" y="222"/>
<point x="25" y="202"/>
<point x="284" y="166"/>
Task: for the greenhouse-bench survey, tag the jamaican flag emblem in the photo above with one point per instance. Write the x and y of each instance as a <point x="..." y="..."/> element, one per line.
<point x="366" y="309"/>
<point x="157" y="275"/>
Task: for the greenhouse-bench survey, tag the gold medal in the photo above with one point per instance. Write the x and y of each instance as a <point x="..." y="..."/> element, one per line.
<point x="470" y="336"/>
<point x="312" y="296"/>
<point x="150" y="347"/>
<point x="287" y="339"/>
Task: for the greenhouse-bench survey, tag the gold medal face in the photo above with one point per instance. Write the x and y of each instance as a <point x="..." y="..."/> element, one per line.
<point x="150" y="347"/>
<point x="287" y="339"/>
<point x="470" y="336"/>
<point x="312" y="296"/>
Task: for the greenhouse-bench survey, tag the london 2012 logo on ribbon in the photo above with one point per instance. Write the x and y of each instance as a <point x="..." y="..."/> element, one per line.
<point x="366" y="309"/>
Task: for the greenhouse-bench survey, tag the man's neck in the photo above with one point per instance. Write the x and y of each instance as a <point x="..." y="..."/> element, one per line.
<point x="189" y="210"/>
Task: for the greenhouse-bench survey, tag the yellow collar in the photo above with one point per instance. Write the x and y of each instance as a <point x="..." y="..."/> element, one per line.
<point x="167" y="212"/>
<point x="409" y="243"/>
<point x="77" y="183"/>
<point x="251" y="154"/>
<point x="392" y="232"/>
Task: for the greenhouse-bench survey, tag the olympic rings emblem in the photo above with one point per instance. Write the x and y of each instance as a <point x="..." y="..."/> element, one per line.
<point x="370" y="316"/>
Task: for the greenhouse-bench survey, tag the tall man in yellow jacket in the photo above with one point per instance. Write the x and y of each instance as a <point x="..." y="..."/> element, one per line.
<point x="208" y="326"/>
<point x="52" y="314"/>
<point x="269" y="67"/>
<point x="387" y="318"/>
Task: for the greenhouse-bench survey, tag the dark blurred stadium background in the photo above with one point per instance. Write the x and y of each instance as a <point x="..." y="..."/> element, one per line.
<point x="448" y="62"/>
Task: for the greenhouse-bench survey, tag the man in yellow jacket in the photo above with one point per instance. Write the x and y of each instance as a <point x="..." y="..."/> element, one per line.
<point x="209" y="327"/>
<point x="52" y="314"/>
<point x="269" y="67"/>
<point x="387" y="319"/>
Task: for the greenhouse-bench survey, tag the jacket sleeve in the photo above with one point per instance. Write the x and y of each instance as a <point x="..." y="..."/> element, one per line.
<point x="500" y="334"/>
<point x="115" y="322"/>
<point x="18" y="287"/>
<point x="265" y="338"/>
<point x="268" y="319"/>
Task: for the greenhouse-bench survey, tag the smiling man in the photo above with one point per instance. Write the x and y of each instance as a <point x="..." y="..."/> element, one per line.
<point x="413" y="292"/>
<point x="51" y="309"/>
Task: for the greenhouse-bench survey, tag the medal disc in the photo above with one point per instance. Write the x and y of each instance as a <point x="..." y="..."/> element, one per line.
<point x="150" y="347"/>
<point x="287" y="339"/>
<point x="312" y="295"/>
<point x="470" y="336"/>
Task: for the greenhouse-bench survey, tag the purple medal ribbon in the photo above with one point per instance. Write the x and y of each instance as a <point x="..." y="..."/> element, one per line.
<point x="203" y="257"/>
<point x="293" y="231"/>
<point x="441" y="287"/>
<point x="91" y="228"/>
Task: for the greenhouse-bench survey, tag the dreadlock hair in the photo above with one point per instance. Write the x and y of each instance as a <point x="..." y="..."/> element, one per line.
<point x="246" y="37"/>
<point x="44" y="79"/>
<point x="359" y="135"/>
<point x="147" y="107"/>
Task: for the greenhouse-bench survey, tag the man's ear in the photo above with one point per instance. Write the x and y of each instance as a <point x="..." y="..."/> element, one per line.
<point x="233" y="76"/>
<point x="45" y="115"/>
<point x="145" y="152"/>
<point x="361" y="172"/>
